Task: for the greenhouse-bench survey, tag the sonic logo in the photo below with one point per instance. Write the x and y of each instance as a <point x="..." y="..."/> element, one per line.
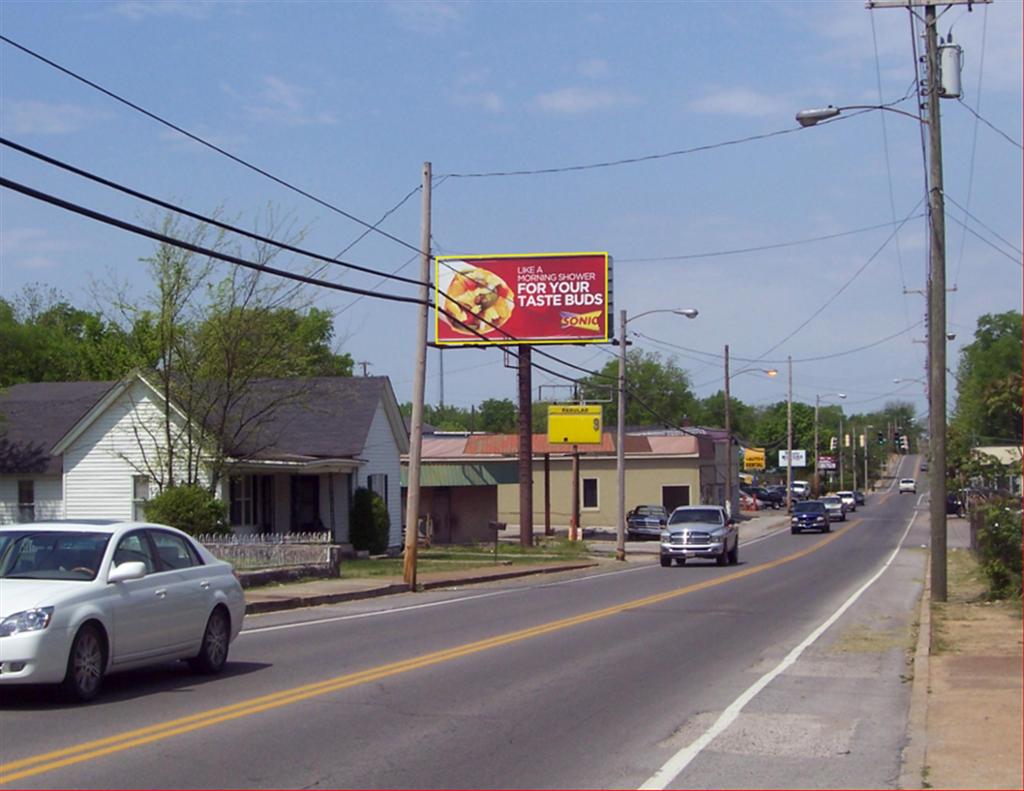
<point x="581" y="321"/>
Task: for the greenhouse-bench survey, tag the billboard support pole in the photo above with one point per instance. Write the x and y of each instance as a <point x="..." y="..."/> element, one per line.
<point x="525" y="448"/>
<point x="412" y="504"/>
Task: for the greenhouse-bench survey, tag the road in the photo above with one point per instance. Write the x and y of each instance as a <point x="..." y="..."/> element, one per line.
<point x="788" y="670"/>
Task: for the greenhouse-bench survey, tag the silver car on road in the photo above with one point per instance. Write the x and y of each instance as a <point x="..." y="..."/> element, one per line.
<point x="700" y="531"/>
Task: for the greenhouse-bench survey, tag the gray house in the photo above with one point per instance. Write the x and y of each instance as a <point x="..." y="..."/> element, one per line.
<point x="78" y="450"/>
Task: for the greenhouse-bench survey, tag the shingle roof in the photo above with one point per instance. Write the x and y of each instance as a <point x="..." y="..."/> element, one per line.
<point x="34" y="416"/>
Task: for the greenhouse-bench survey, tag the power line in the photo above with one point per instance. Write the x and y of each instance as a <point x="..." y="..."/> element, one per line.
<point x="759" y="248"/>
<point x="1005" y="241"/>
<point x="204" y="142"/>
<point x="195" y="215"/>
<point x="974" y="233"/>
<point x="625" y="161"/>
<point x="987" y="123"/>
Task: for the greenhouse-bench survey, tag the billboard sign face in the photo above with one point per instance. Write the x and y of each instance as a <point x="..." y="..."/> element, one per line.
<point x="509" y="299"/>
<point x="574" y="425"/>
<point x="826" y="462"/>
<point x="753" y="458"/>
<point x="799" y="458"/>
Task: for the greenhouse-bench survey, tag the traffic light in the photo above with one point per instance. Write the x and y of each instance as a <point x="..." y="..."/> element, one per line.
<point x="833" y="443"/>
<point x="905" y="443"/>
<point x="881" y="438"/>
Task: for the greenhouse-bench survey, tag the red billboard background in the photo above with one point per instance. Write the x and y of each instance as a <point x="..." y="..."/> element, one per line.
<point x="545" y="298"/>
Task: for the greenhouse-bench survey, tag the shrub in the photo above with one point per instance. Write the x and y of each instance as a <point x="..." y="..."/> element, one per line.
<point x="189" y="508"/>
<point x="999" y="546"/>
<point x="370" y="523"/>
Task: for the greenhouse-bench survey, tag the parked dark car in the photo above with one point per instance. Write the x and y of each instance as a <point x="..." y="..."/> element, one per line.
<point x="646" y="521"/>
<point x="859" y="497"/>
<point x="954" y="505"/>
<point x="810" y="515"/>
<point x="767" y="498"/>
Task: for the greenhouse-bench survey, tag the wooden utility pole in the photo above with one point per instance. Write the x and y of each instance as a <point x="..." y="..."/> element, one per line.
<point x="789" y="437"/>
<point x="525" y="448"/>
<point x="728" y="439"/>
<point x="412" y="502"/>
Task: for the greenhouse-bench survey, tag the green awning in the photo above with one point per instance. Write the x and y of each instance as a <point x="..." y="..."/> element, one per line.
<point x="489" y="473"/>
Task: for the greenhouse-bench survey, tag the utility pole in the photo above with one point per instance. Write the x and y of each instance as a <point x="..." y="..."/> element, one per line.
<point x="839" y="451"/>
<point x="817" y="406"/>
<point x="853" y="455"/>
<point x="728" y="439"/>
<point x="365" y="364"/>
<point x="440" y="366"/>
<point x="525" y="449"/>
<point x="789" y="437"/>
<point x="412" y="503"/>
<point x="620" y="443"/>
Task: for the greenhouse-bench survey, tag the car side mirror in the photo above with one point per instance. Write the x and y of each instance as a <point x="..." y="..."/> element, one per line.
<point x="132" y="570"/>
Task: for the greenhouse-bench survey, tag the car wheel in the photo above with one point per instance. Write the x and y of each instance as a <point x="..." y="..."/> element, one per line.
<point x="666" y="561"/>
<point x="734" y="555"/>
<point x="723" y="556"/>
<point x="213" y="653"/>
<point x="86" y="662"/>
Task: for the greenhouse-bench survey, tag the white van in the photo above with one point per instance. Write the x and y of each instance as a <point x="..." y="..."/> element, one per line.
<point x="801" y="489"/>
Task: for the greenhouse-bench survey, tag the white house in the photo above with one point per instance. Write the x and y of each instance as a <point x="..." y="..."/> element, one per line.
<point x="79" y="450"/>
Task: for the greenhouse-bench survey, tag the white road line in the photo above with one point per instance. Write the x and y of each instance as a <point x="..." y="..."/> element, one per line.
<point x="678" y="762"/>
<point x="461" y="599"/>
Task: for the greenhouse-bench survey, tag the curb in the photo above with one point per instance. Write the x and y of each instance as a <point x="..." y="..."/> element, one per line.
<point x="915" y="752"/>
<point x="295" y="602"/>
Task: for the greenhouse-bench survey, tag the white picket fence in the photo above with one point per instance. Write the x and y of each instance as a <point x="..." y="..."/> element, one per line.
<point x="269" y="550"/>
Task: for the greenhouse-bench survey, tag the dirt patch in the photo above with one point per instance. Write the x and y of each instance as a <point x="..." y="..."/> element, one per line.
<point x="975" y="702"/>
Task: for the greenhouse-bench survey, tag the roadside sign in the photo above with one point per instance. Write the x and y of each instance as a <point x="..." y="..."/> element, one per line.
<point x="753" y="458"/>
<point x="826" y="462"/>
<point x="799" y="458"/>
<point x="573" y="424"/>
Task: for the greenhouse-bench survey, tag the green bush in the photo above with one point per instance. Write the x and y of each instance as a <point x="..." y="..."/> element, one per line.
<point x="189" y="508"/>
<point x="370" y="523"/>
<point x="999" y="546"/>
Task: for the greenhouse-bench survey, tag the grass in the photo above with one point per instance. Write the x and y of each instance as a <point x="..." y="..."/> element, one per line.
<point x="475" y="556"/>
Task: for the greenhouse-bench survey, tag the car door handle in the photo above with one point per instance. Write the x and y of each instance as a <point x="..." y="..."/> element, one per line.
<point x="205" y="585"/>
<point x="161" y="593"/>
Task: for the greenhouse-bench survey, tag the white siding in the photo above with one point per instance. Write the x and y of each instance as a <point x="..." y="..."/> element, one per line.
<point x="99" y="465"/>
<point x="382" y="457"/>
<point x="47" y="493"/>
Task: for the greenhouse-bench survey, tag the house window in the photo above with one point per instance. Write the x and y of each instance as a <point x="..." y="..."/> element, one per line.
<point x="590" y="493"/>
<point x="378" y="483"/>
<point x="26" y="501"/>
<point x="140" y="496"/>
<point x="240" y="487"/>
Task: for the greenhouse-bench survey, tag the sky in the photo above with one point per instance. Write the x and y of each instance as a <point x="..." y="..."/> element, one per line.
<point x="727" y="211"/>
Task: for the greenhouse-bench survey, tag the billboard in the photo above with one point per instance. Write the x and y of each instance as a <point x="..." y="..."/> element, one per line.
<point x="509" y="299"/>
<point x="826" y="462"/>
<point x="574" y="425"/>
<point x="799" y="458"/>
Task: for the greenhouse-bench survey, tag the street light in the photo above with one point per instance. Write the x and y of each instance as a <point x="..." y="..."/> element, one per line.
<point x="620" y="432"/>
<point x="728" y="425"/>
<point x="814" y="115"/>
<point x="817" y="406"/>
<point x="940" y="83"/>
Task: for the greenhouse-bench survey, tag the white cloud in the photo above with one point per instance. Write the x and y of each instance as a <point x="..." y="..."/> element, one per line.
<point x="280" y="101"/>
<point x="141" y="9"/>
<point x="573" y="101"/>
<point x="431" y="17"/>
<point x="46" y="118"/>
<point x="742" y="101"/>
<point x="488" y="100"/>
<point x="34" y="249"/>
<point x="593" y="68"/>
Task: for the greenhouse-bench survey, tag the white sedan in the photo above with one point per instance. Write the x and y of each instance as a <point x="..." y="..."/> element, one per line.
<point x="82" y="599"/>
<point x="908" y="485"/>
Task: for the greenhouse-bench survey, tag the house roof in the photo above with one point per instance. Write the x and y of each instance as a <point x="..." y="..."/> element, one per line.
<point x="326" y="418"/>
<point x="33" y="417"/>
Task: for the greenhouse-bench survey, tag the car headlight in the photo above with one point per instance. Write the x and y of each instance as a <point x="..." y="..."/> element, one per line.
<point x="665" y="536"/>
<point x="26" y="621"/>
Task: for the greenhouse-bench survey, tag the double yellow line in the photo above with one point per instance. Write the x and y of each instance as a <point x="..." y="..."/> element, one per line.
<point x="88" y="751"/>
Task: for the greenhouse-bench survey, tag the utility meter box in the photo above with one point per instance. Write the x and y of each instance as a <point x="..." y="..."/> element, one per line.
<point x="573" y="424"/>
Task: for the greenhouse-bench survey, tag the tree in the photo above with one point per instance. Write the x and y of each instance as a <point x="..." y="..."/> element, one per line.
<point x="497" y="416"/>
<point x="657" y="391"/>
<point x="215" y="337"/>
<point x="988" y="405"/>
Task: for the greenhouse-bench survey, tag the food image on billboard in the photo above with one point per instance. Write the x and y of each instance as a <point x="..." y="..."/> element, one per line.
<point x="508" y="299"/>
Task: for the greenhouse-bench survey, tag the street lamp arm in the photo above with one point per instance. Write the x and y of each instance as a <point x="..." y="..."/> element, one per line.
<point x="690" y="313"/>
<point x="813" y="116"/>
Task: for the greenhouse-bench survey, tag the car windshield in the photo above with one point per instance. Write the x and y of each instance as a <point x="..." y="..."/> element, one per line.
<point x="51" y="555"/>
<point x="811" y="507"/>
<point x="831" y="501"/>
<point x="701" y="515"/>
<point x="649" y="510"/>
